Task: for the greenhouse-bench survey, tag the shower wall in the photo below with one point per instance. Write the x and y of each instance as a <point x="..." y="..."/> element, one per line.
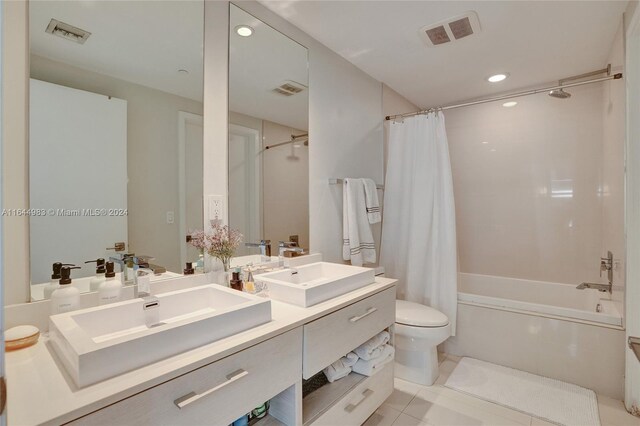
<point x="614" y="114"/>
<point x="530" y="187"/>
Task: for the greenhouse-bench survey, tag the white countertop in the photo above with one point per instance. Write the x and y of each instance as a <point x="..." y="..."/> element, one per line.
<point x="40" y="391"/>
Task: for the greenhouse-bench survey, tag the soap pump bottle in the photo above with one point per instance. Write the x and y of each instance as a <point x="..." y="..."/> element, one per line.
<point x="67" y="297"/>
<point x="111" y="289"/>
<point x="96" y="281"/>
<point x="236" y="282"/>
<point x="55" y="278"/>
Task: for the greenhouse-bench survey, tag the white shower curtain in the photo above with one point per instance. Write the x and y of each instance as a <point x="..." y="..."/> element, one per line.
<point x="419" y="229"/>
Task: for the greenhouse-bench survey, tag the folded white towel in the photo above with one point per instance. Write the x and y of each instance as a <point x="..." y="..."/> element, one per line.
<point x="370" y="367"/>
<point x="358" y="245"/>
<point x="338" y="369"/>
<point x="349" y="359"/>
<point x="373" y="347"/>
<point x="371" y="201"/>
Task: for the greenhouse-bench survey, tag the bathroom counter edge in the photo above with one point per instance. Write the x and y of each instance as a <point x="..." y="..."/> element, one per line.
<point x="40" y="391"/>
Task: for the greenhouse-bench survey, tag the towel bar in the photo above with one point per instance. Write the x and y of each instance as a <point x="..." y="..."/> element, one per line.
<point x="335" y="181"/>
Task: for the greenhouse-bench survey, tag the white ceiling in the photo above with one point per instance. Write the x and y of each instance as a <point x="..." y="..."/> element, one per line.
<point x="535" y="41"/>
<point x="260" y="63"/>
<point x="144" y="42"/>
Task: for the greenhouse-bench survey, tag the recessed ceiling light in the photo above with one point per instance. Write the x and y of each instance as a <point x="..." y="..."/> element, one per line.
<point x="183" y="71"/>
<point x="493" y="150"/>
<point x="484" y="142"/>
<point x="244" y="30"/>
<point x="509" y="104"/>
<point x="497" y="78"/>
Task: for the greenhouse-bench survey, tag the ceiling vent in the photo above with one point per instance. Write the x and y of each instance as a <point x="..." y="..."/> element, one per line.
<point x="67" y="31"/>
<point x="290" y="88"/>
<point x="451" y="30"/>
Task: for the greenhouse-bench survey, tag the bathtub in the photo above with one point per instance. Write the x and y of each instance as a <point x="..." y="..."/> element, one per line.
<point x="551" y="329"/>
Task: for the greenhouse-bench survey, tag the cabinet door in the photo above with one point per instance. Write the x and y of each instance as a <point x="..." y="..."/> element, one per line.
<point x="332" y="336"/>
<point x="216" y="394"/>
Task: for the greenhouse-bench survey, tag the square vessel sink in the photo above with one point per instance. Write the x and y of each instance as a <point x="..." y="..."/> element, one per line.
<point x="98" y="343"/>
<point x="316" y="282"/>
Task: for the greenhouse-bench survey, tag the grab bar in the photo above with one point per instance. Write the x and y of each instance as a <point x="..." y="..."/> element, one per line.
<point x="634" y="344"/>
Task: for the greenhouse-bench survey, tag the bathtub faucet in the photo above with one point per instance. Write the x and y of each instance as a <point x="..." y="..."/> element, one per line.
<point x="600" y="287"/>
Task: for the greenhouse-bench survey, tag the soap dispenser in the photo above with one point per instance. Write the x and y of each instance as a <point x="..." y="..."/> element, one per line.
<point x="111" y="289"/>
<point x="96" y="281"/>
<point x="236" y="282"/>
<point x="55" y="277"/>
<point x="67" y="297"/>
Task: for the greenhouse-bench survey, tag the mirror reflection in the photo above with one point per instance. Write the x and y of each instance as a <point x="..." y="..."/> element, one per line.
<point x="268" y="135"/>
<point x="115" y="135"/>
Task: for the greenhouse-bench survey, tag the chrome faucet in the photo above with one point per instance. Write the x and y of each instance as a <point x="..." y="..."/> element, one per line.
<point x="288" y="246"/>
<point x="122" y="259"/>
<point x="600" y="287"/>
<point x="265" y="247"/>
<point x="606" y="264"/>
<point x="141" y="287"/>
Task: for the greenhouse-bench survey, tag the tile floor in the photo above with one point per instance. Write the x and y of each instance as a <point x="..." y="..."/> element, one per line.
<point x="416" y="405"/>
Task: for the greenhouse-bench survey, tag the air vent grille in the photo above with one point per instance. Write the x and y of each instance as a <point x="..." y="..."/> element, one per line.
<point x="461" y="28"/>
<point x="290" y="88"/>
<point x="451" y="30"/>
<point x="68" y="32"/>
<point x="438" y="35"/>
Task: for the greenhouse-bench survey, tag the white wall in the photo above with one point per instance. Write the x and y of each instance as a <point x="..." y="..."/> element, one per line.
<point x="393" y="103"/>
<point x="285" y="172"/>
<point x="632" y="79"/>
<point x="529" y="201"/>
<point x="345" y="125"/>
<point x="15" y="155"/>
<point x="613" y="147"/>
<point x="152" y="156"/>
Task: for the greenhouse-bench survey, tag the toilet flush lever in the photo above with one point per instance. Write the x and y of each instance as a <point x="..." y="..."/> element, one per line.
<point x="359" y="317"/>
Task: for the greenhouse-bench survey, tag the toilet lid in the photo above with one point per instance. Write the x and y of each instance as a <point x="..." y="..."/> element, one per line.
<point x="417" y="315"/>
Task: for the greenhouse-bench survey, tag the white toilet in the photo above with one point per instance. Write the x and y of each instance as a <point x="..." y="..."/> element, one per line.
<point x="419" y="329"/>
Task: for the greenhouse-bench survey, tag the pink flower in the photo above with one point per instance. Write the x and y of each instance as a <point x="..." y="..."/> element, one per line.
<point x="221" y="243"/>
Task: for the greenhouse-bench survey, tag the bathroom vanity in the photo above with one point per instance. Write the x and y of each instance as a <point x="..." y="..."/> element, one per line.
<point x="219" y="382"/>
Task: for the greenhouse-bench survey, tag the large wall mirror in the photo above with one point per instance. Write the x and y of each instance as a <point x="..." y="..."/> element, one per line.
<point x="268" y="133"/>
<point x="115" y="132"/>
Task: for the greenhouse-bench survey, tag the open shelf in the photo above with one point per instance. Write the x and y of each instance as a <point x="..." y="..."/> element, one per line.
<point x="320" y="400"/>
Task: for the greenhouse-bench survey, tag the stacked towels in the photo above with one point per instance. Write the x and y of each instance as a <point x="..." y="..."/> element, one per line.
<point x="366" y="359"/>
<point x="341" y="368"/>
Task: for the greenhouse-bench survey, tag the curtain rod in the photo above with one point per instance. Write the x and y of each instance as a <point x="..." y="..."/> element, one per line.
<point x="503" y="97"/>
<point x="294" y="138"/>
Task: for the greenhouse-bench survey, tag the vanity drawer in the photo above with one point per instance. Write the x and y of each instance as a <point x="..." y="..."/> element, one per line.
<point x="332" y="336"/>
<point x="361" y="402"/>
<point x="216" y="394"/>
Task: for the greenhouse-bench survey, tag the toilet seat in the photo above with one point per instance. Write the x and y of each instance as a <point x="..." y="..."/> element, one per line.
<point x="418" y="315"/>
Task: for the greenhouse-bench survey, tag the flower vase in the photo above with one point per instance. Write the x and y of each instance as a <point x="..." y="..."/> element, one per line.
<point x="224" y="276"/>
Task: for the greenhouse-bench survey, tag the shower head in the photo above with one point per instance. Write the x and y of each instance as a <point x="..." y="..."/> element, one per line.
<point x="560" y="94"/>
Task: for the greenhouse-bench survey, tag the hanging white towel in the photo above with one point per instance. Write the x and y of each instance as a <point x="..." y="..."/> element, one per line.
<point x="358" y="245"/>
<point x="371" y="201"/>
<point x="341" y="368"/>
<point x="373" y="347"/>
<point x="370" y="367"/>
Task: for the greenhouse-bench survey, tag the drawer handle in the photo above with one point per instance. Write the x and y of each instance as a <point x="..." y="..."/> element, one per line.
<point x="359" y="317"/>
<point x="366" y="394"/>
<point x="191" y="397"/>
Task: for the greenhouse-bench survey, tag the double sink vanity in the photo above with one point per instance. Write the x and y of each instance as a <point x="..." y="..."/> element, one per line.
<point x="206" y="354"/>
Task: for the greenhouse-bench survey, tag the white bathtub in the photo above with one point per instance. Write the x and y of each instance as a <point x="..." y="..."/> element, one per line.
<point x="556" y="300"/>
<point x="550" y="329"/>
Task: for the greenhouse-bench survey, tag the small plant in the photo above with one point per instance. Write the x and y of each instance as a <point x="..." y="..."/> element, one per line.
<point x="220" y="243"/>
